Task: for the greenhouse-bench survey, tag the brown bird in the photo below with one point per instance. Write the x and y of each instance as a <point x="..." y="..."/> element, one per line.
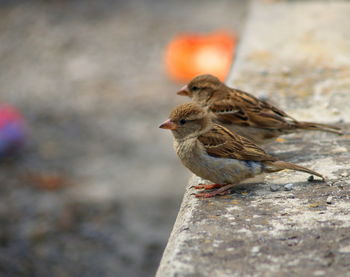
<point x="245" y="114"/>
<point x="214" y="153"/>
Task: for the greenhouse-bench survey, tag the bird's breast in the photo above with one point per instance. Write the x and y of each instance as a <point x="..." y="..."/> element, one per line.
<point x="186" y="150"/>
<point x="217" y="170"/>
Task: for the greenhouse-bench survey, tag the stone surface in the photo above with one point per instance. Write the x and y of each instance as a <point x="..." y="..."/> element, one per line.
<point x="288" y="187"/>
<point x="296" y="54"/>
<point x="274" y="188"/>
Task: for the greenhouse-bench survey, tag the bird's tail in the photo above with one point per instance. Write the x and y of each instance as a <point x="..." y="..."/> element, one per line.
<point x="280" y="165"/>
<point x="318" y="126"/>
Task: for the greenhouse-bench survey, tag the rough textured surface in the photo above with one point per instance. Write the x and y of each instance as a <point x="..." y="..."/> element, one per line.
<point x="296" y="54"/>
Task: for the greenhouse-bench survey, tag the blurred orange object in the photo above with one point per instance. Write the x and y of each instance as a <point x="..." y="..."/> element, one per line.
<point x="189" y="55"/>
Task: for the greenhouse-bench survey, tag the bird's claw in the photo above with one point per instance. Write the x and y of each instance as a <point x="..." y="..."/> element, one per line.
<point x="223" y="190"/>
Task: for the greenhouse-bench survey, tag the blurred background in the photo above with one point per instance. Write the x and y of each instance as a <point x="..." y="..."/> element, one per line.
<point x="89" y="186"/>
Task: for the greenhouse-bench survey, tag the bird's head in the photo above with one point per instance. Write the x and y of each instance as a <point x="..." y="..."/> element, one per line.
<point x="202" y="88"/>
<point x="187" y="120"/>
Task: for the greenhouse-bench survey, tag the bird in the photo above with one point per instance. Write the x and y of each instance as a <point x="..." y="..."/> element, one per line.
<point x="245" y="114"/>
<point x="214" y="153"/>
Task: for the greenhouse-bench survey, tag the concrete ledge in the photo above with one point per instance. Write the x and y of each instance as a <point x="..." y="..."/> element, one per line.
<point x="297" y="55"/>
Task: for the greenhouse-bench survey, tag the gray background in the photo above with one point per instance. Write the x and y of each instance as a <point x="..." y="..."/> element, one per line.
<point x="88" y="77"/>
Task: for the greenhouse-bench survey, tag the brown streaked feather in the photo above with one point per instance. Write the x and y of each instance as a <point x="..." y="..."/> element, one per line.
<point x="221" y="143"/>
<point x="250" y="111"/>
<point x="246" y="110"/>
<point x="253" y="102"/>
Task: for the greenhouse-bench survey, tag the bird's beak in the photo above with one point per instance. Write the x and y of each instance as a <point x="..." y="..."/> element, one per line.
<point x="184" y="91"/>
<point x="168" y="124"/>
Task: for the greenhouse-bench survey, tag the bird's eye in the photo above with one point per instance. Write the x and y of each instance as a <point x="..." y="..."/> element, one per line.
<point x="195" y="88"/>
<point x="182" y="121"/>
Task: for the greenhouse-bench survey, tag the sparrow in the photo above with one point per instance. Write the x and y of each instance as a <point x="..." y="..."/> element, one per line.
<point x="214" y="153"/>
<point x="245" y="114"/>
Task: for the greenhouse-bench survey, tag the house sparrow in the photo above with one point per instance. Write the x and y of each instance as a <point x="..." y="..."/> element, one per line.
<point x="245" y="114"/>
<point x="216" y="154"/>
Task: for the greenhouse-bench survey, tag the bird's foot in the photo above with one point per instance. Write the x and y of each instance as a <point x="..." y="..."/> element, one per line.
<point x="223" y="190"/>
<point x="205" y="187"/>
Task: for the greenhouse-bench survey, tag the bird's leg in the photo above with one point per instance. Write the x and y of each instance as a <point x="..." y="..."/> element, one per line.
<point x="225" y="189"/>
<point x="211" y="186"/>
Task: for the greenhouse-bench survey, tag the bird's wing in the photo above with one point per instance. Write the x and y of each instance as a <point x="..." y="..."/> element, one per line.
<point x="243" y="109"/>
<point x="221" y="143"/>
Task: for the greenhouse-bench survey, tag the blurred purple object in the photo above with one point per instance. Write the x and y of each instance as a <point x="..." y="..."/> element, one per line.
<point x="12" y="130"/>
